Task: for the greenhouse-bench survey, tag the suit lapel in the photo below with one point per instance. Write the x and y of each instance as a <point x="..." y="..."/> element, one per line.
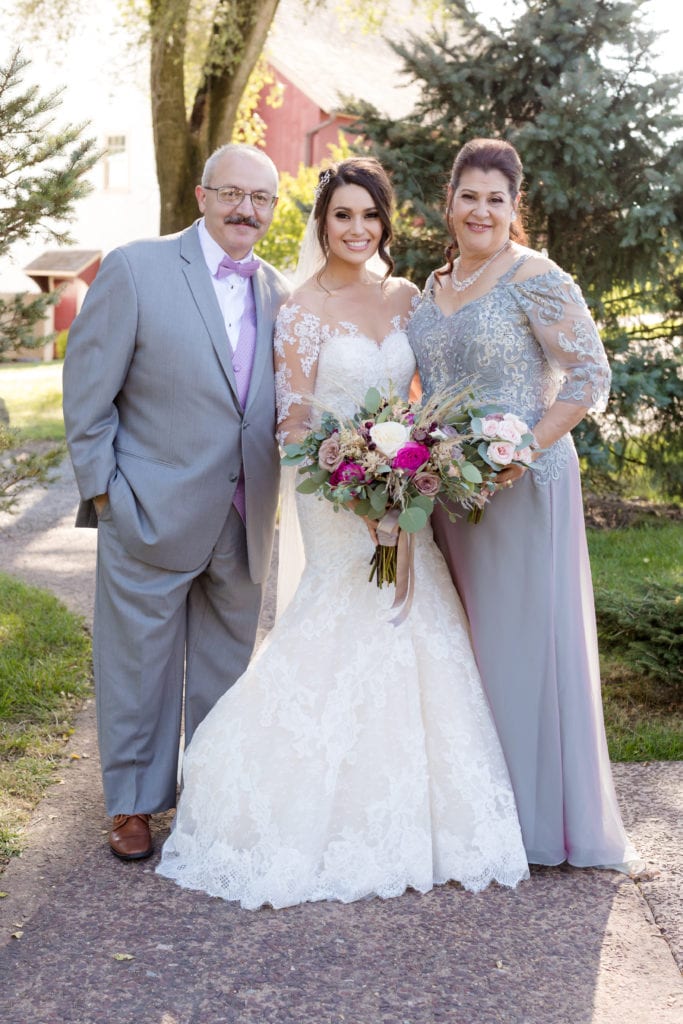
<point x="199" y="281"/>
<point x="263" y="356"/>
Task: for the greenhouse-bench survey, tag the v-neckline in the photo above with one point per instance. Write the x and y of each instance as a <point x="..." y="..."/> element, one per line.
<point x="502" y="280"/>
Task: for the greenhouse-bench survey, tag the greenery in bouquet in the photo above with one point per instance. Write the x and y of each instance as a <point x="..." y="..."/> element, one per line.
<point x="393" y="459"/>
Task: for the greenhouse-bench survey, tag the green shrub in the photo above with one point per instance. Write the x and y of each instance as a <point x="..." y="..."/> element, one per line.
<point x="60" y="344"/>
<point x="646" y="630"/>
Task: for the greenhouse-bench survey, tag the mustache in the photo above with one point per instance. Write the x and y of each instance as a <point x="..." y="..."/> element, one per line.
<point x="237" y="219"/>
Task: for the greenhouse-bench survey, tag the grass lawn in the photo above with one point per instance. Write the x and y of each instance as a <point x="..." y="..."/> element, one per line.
<point x="638" y="581"/>
<point x="32" y="393"/>
<point x="44" y="677"/>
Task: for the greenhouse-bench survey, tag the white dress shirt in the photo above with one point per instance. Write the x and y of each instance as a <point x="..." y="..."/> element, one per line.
<point x="231" y="291"/>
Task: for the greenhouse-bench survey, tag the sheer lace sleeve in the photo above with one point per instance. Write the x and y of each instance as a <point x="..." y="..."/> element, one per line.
<point x="564" y="328"/>
<point x="297" y="345"/>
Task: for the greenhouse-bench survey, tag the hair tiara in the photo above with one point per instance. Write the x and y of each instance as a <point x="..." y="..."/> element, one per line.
<point x="323" y="182"/>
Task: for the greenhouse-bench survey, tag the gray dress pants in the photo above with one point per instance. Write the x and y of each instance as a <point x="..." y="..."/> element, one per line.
<point x="159" y="635"/>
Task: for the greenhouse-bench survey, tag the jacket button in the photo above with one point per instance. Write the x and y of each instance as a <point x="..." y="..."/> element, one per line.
<point x="234" y="477"/>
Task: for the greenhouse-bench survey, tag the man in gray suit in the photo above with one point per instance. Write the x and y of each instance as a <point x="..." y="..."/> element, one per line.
<point x="170" y="419"/>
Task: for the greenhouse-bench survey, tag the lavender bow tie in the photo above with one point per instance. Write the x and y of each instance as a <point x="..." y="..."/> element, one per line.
<point x="229" y="266"/>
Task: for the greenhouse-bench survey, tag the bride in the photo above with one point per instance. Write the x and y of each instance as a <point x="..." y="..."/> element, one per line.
<point x="353" y="757"/>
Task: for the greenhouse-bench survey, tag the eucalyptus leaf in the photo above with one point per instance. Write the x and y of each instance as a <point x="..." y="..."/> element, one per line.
<point x="307" y="486"/>
<point x="373" y="400"/>
<point x="422" y="501"/>
<point x="471" y="473"/>
<point x="293" y="448"/>
<point x="378" y="498"/>
<point x="413" y="519"/>
<point x="363" y="508"/>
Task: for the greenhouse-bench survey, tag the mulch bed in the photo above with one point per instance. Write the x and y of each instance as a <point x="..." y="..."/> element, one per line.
<point x="608" y="512"/>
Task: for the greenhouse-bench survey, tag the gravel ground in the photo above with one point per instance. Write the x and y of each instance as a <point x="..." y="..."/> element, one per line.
<point x="86" y="939"/>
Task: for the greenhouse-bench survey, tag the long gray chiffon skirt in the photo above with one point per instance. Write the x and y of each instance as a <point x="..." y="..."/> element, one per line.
<point x="524" y="578"/>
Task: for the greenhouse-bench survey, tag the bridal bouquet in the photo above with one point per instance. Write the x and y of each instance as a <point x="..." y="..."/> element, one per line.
<point x="393" y="459"/>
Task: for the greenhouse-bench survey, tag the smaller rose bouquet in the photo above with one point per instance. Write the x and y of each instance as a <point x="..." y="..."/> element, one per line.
<point x="494" y="441"/>
<point x="393" y="459"/>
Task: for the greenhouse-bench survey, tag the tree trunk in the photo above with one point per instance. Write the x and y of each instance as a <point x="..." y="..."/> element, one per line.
<point x="182" y="145"/>
<point x="168" y="31"/>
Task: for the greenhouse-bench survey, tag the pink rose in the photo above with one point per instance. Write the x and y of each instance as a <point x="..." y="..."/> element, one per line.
<point x="329" y="454"/>
<point x="490" y="425"/>
<point x="427" y="484"/>
<point x="501" y="452"/>
<point x="410" y="457"/>
<point x="524" y="455"/>
<point x="347" y="473"/>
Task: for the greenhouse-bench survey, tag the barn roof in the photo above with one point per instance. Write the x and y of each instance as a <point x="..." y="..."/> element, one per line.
<point x="326" y="55"/>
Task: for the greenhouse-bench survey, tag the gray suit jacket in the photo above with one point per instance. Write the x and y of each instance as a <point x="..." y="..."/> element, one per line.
<point x="151" y="408"/>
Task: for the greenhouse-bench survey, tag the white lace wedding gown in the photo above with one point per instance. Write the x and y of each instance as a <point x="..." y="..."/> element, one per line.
<point x="353" y="757"/>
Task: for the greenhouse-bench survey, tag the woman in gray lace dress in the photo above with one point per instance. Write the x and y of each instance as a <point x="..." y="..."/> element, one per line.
<point x="514" y="322"/>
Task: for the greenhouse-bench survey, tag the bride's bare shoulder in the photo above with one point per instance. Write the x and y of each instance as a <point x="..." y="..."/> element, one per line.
<point x="308" y="296"/>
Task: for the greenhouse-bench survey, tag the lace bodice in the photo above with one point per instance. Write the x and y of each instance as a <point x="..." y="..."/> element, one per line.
<point x="527" y="343"/>
<point x="524" y="344"/>
<point x="333" y="363"/>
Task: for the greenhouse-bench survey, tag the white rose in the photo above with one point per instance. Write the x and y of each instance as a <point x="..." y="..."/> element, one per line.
<point x="518" y="424"/>
<point x="389" y="437"/>
<point x="508" y="431"/>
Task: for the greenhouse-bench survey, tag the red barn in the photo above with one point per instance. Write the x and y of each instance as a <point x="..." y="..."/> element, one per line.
<point x="322" y="58"/>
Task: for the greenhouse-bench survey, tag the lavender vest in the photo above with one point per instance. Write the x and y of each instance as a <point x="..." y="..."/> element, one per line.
<point x="242" y="364"/>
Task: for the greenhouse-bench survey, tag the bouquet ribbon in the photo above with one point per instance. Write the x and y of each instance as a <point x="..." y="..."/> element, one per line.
<point x="389" y="534"/>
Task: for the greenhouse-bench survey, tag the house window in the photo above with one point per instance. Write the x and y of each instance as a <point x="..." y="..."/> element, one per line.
<point x="115" y="161"/>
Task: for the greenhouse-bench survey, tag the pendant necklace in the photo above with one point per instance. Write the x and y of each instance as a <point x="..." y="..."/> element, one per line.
<point x="460" y="286"/>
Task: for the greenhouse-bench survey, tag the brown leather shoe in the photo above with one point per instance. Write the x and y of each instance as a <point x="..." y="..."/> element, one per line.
<point x="130" y="838"/>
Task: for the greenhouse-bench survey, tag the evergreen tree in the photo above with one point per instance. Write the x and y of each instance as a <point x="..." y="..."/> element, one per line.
<point x="41" y="178"/>
<point x="570" y="83"/>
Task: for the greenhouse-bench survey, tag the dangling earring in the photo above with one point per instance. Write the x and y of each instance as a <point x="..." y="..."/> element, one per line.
<point x="513" y="216"/>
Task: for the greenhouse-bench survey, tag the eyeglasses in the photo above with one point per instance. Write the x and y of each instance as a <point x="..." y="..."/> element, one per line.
<point x="229" y="195"/>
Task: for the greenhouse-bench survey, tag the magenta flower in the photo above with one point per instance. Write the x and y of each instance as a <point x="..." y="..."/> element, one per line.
<point x="410" y="457"/>
<point x="347" y="473"/>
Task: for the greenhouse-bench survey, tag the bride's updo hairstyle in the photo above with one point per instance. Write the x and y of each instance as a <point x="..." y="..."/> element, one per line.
<point x="369" y="174"/>
<point x="488" y="155"/>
